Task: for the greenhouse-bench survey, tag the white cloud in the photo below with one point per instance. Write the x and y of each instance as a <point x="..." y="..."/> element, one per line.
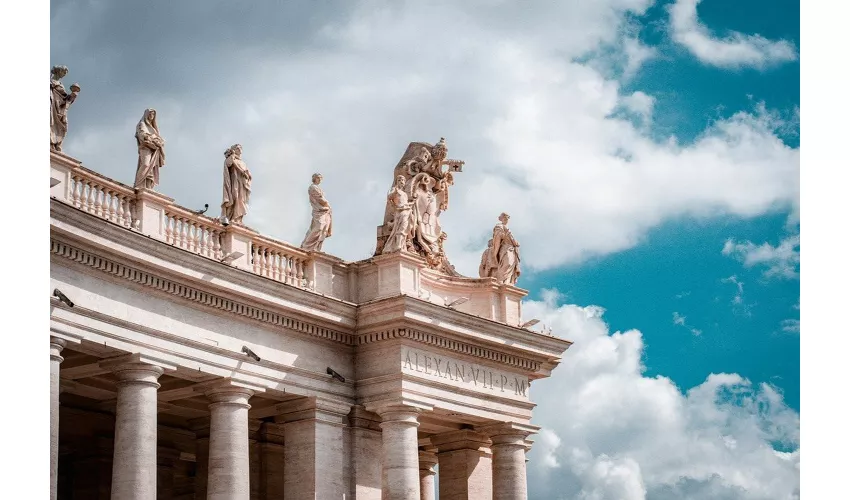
<point x="680" y="320"/>
<point x="781" y="260"/>
<point x="732" y="51"/>
<point x="538" y="131"/>
<point x="790" y="325"/>
<point x="636" y="55"/>
<point x="623" y="435"/>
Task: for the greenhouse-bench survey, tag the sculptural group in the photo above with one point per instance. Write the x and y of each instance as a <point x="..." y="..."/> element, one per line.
<point x="420" y="193"/>
<point x="418" y="196"/>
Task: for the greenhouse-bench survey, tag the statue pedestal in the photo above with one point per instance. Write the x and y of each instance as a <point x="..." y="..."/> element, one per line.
<point x="403" y="273"/>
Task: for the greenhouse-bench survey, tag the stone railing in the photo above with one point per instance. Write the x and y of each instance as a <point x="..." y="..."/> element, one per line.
<point x="193" y="232"/>
<point x="100" y="196"/>
<point x="156" y="215"/>
<point x="280" y="261"/>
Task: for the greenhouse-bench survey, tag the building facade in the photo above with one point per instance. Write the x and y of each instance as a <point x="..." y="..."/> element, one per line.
<point x="192" y="359"/>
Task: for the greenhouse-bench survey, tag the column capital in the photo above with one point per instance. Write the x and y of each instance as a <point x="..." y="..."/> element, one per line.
<point x="399" y="414"/>
<point x="132" y="369"/>
<point x="313" y="408"/>
<point x="229" y="396"/>
<point x="464" y="439"/>
<point x="508" y="432"/>
<point x="427" y="462"/>
<point x="56" y="346"/>
<point x="136" y="360"/>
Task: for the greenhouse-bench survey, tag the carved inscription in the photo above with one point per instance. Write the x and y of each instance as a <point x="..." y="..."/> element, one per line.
<point x="463" y="374"/>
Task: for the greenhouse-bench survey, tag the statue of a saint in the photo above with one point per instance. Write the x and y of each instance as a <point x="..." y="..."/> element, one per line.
<point x="402" y="218"/>
<point x="320" y="226"/>
<point x="425" y="214"/>
<point x="237" y="186"/>
<point x="151" y="151"/>
<point x="504" y="255"/>
<point x="484" y="268"/>
<point x="60" y="102"/>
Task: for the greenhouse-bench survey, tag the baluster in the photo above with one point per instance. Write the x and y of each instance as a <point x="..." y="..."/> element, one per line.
<point x="216" y="245"/>
<point x="266" y="266"/>
<point x="275" y="275"/>
<point x="113" y="214"/>
<point x="183" y="230"/>
<point x="76" y="188"/>
<point x="190" y="235"/>
<point x="259" y="263"/>
<point x="300" y="272"/>
<point x="88" y="202"/>
<point x="203" y="241"/>
<point x="196" y="237"/>
<point x="255" y="257"/>
<point x="128" y="213"/>
<point x="96" y="208"/>
<point x="119" y="214"/>
<point x="169" y="233"/>
<point x="287" y="270"/>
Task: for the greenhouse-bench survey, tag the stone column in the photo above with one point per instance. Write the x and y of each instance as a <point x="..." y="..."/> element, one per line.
<point x="272" y="461"/>
<point x="427" y="462"/>
<point x="134" y="457"/>
<point x="399" y="425"/>
<point x="466" y="471"/>
<point x="509" y="476"/>
<point x="229" y="475"/>
<point x="366" y="452"/>
<point x="56" y="346"/>
<point x="315" y="448"/>
<point x="201" y="428"/>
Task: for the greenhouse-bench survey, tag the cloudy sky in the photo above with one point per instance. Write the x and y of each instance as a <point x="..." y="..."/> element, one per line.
<point x="648" y="153"/>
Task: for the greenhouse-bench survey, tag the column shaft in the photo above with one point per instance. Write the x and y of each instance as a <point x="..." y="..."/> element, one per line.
<point x="509" y="474"/>
<point x="427" y="486"/>
<point x="229" y="463"/>
<point x="56" y="346"/>
<point x="134" y="457"/>
<point x="399" y="427"/>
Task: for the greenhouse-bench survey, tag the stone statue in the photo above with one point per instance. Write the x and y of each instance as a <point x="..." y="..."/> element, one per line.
<point x="60" y="102"/>
<point x="426" y="185"/>
<point x="401" y="222"/>
<point x="151" y="151"/>
<point x="503" y="257"/>
<point x="237" y="186"/>
<point x="320" y="226"/>
<point x="484" y="268"/>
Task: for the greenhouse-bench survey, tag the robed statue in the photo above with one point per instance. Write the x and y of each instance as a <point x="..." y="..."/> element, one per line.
<point x="151" y="151"/>
<point x="237" y="186"/>
<point x="503" y="256"/>
<point x="60" y="102"/>
<point x="322" y="217"/>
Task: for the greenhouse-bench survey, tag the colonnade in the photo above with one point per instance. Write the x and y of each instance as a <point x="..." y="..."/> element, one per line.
<point x="484" y="463"/>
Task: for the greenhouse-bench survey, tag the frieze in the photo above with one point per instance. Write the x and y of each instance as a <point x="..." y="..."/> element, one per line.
<point x="463" y="374"/>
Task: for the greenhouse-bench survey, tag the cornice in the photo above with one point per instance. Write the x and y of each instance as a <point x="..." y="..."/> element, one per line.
<point x="103" y="257"/>
<point x="427" y="338"/>
<point x="194" y="294"/>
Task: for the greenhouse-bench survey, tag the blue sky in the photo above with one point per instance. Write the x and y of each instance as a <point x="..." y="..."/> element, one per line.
<point x="648" y="153"/>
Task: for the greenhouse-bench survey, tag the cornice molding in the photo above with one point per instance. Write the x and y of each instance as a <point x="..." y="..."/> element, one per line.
<point x="450" y="345"/>
<point x="264" y="315"/>
<point x="196" y="295"/>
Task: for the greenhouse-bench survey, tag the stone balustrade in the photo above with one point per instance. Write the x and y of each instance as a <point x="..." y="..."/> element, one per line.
<point x="158" y="216"/>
